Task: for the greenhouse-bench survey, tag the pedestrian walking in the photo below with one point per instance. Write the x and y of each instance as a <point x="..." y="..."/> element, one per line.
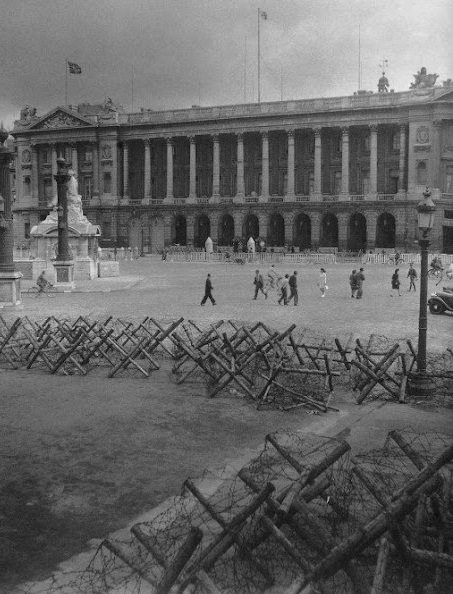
<point x="396" y="282"/>
<point x="411" y="275"/>
<point x="284" y="290"/>
<point x="259" y="284"/>
<point x="208" y="288"/>
<point x="360" y="277"/>
<point x="293" y="294"/>
<point x="322" y="282"/>
<point x="353" y="283"/>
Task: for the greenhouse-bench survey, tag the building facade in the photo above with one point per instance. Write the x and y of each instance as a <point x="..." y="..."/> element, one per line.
<point x="343" y="172"/>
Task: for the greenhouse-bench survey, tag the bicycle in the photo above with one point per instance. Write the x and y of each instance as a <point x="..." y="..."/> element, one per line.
<point x="393" y="261"/>
<point x="436" y="274"/>
<point x="48" y="290"/>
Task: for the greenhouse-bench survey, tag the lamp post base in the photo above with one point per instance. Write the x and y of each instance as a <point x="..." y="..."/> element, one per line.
<point x="420" y="385"/>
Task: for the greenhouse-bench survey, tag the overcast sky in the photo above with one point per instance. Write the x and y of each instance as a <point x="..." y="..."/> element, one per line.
<point x="184" y="52"/>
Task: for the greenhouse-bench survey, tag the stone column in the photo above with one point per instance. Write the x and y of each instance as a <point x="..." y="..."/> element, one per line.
<point x="169" y="195"/>
<point x="95" y="157"/>
<point x="214" y="224"/>
<point x="317" y="181"/>
<point x="371" y="224"/>
<point x="240" y="168"/>
<point x="190" y="223"/>
<point x="34" y="174"/>
<point x="288" y="217"/>
<point x="373" y="159"/>
<point x="115" y="189"/>
<point x="343" y="223"/>
<point x="315" y="229"/>
<point x="74" y="159"/>
<point x="238" y="220"/>
<point x="345" y="161"/>
<point x="434" y="156"/>
<point x="263" y="220"/>
<point x="53" y="162"/>
<point x="291" y="166"/>
<point x="192" y="169"/>
<point x="265" y="165"/>
<point x="215" y="166"/>
<point x="402" y="164"/>
<point x="125" y="170"/>
<point x="147" y="172"/>
<point x="168" y="221"/>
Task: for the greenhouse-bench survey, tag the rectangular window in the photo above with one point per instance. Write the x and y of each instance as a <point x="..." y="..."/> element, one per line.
<point x="107" y="230"/>
<point x="448" y="214"/>
<point x="337" y="183"/>
<point x="449" y="180"/>
<point x="27" y="230"/>
<point x="87" y="187"/>
<point x="396" y="141"/>
<point x="107" y="179"/>
<point x="365" y="185"/>
<point x="88" y="155"/>
<point x="48" y="188"/>
<point x="27" y="186"/>
<point x="45" y="156"/>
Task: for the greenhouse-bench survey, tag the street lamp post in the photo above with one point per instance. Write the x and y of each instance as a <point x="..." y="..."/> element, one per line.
<point x="64" y="265"/>
<point x="420" y="384"/>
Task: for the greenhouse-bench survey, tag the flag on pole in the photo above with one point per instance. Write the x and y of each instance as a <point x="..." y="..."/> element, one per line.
<point x="263" y="15"/>
<point x="74" y="68"/>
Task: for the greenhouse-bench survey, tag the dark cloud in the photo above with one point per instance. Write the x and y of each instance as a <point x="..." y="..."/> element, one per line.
<point x="182" y="52"/>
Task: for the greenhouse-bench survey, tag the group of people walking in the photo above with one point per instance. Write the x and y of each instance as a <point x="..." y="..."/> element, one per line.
<point x="356" y="283"/>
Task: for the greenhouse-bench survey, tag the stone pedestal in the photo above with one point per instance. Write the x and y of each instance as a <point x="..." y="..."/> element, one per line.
<point x="10" y="295"/>
<point x="64" y="275"/>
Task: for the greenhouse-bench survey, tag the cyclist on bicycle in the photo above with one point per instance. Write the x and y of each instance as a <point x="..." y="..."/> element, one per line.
<point x="42" y="282"/>
<point x="436" y="263"/>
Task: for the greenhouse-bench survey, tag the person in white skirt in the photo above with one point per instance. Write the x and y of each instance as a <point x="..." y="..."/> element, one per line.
<point x="322" y="282"/>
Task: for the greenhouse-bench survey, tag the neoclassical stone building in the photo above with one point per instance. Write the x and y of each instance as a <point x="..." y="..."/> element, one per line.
<point x="342" y="172"/>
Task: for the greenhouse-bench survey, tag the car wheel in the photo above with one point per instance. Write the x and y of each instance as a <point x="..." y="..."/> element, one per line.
<point x="436" y="308"/>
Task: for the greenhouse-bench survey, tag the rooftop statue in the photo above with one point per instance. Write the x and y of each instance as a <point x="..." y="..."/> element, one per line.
<point x="383" y="84"/>
<point x="424" y="80"/>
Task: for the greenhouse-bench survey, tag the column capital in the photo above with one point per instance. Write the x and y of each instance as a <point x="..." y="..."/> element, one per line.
<point x="240" y="136"/>
<point x="317" y="131"/>
<point x="169" y="140"/>
<point x="74" y="144"/>
<point x="373" y="127"/>
<point x="192" y="139"/>
<point x="53" y="145"/>
<point x="125" y="144"/>
<point x="290" y="132"/>
<point x="264" y="134"/>
<point x="147" y="142"/>
<point x="215" y="137"/>
<point x="345" y="131"/>
<point x="403" y="127"/>
<point x="437" y="123"/>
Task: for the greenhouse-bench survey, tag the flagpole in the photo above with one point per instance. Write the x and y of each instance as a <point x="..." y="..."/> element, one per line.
<point x="66" y="82"/>
<point x="259" y="58"/>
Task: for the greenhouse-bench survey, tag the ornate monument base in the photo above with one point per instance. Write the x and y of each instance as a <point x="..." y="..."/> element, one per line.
<point x="83" y="242"/>
<point x="64" y="275"/>
<point x="10" y="295"/>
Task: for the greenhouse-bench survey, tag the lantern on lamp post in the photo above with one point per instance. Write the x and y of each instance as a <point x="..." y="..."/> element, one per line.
<point x="419" y="383"/>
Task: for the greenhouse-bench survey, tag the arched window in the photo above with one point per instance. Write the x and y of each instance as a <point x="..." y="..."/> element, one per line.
<point x="421" y="173"/>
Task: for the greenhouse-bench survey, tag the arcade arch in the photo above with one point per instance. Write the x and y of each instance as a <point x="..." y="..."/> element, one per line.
<point x="276" y="235"/>
<point x="302" y="232"/>
<point x="385" y="231"/>
<point x="357" y="236"/>
<point x="329" y="231"/>
<point x="226" y="230"/>
<point x="180" y="230"/>
<point x="251" y="226"/>
<point x="202" y="230"/>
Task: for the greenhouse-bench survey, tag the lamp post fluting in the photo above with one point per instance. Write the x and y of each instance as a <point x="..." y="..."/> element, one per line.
<point x="63" y="263"/>
<point x="62" y="178"/>
<point x="420" y="384"/>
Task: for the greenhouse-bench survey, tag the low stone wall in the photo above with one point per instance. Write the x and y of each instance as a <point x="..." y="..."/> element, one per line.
<point x="108" y="268"/>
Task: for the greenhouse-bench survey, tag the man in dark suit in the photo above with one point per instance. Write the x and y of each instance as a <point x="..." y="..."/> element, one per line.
<point x="208" y="288"/>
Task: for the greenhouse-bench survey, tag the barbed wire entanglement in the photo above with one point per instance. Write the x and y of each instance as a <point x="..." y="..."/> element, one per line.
<point x="274" y="368"/>
<point x="303" y="516"/>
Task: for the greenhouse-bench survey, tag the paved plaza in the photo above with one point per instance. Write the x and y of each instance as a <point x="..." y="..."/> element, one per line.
<point x="84" y="456"/>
